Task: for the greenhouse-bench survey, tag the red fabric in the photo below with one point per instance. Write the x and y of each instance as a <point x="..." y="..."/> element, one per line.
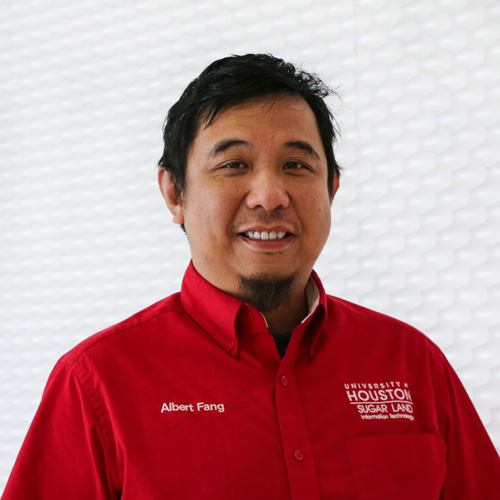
<point x="189" y="399"/>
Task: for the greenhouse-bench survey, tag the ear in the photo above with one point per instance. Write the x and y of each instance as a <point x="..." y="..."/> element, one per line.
<point x="172" y="197"/>
<point x="336" y="183"/>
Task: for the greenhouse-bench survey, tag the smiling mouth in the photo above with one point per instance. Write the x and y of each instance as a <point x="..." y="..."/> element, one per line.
<point x="265" y="235"/>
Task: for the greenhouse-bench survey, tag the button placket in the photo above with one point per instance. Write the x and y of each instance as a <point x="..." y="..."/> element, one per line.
<point x="295" y="439"/>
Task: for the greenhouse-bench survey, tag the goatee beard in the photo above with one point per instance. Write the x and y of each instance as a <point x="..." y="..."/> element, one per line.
<point x="266" y="294"/>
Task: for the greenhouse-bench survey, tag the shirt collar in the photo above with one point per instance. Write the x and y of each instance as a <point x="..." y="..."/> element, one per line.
<point x="312" y="296"/>
<point x="216" y="312"/>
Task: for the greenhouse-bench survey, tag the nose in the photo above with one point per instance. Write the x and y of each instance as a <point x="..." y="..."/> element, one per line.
<point x="267" y="190"/>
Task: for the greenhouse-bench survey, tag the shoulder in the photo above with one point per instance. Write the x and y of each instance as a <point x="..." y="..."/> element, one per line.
<point x="134" y="330"/>
<point x="363" y="313"/>
<point x="373" y="324"/>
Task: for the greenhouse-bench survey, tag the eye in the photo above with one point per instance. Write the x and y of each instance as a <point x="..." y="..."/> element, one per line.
<point x="295" y="165"/>
<point x="234" y="165"/>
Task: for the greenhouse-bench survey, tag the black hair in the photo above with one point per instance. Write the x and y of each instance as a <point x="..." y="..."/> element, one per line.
<point x="233" y="80"/>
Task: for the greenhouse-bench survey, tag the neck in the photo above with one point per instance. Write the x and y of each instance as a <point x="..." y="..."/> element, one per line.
<point x="282" y="301"/>
<point x="288" y="316"/>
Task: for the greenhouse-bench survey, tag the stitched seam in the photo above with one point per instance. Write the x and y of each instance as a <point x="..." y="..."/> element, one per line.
<point x="124" y="329"/>
<point x="392" y="322"/>
<point x="112" y="469"/>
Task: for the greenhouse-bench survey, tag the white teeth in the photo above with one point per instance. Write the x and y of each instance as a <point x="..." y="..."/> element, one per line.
<point x="265" y="235"/>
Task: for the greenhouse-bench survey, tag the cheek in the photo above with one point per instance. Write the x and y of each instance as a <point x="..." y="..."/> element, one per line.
<point x="317" y="206"/>
<point x="322" y="220"/>
<point x="211" y="214"/>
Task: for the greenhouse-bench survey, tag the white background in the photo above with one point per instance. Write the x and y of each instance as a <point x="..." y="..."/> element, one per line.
<point x="86" y="239"/>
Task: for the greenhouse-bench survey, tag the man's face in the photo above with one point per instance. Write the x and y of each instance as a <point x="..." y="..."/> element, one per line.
<point x="256" y="202"/>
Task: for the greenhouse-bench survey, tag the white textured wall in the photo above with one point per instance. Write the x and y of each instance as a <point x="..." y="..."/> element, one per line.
<point x="86" y="240"/>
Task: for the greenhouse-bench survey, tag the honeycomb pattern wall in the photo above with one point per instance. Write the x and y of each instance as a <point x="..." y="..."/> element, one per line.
<point x="86" y="239"/>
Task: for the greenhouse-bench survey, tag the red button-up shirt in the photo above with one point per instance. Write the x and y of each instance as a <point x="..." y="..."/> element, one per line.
<point x="189" y="399"/>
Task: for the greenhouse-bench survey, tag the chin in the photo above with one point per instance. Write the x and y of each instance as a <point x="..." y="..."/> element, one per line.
<point x="267" y="293"/>
<point x="268" y="271"/>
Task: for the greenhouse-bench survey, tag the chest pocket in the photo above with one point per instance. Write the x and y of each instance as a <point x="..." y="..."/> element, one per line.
<point x="398" y="466"/>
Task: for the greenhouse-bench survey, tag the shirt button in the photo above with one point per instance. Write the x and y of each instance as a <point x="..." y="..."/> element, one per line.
<point x="250" y="317"/>
<point x="231" y="344"/>
<point x="284" y="381"/>
<point x="298" y="455"/>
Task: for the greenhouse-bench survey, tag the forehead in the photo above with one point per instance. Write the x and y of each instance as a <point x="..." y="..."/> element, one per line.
<point x="271" y="118"/>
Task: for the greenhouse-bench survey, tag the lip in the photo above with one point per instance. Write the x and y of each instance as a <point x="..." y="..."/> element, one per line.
<point x="267" y="245"/>
<point x="261" y="228"/>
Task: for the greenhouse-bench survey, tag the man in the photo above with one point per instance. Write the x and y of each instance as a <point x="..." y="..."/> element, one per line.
<point x="252" y="382"/>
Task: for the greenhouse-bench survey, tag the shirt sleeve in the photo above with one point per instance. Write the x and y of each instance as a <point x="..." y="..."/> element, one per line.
<point x="63" y="454"/>
<point x="473" y="464"/>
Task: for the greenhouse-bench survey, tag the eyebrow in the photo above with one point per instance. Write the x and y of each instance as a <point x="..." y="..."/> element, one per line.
<point x="225" y="144"/>
<point x="302" y="145"/>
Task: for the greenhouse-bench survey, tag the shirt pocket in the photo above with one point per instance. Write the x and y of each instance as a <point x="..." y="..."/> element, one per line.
<point x="398" y="466"/>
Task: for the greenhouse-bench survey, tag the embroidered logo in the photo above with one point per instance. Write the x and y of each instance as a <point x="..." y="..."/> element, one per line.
<point x="194" y="407"/>
<point x="381" y="401"/>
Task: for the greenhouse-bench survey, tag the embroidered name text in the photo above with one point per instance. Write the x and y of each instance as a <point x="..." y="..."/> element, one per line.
<point x="197" y="407"/>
